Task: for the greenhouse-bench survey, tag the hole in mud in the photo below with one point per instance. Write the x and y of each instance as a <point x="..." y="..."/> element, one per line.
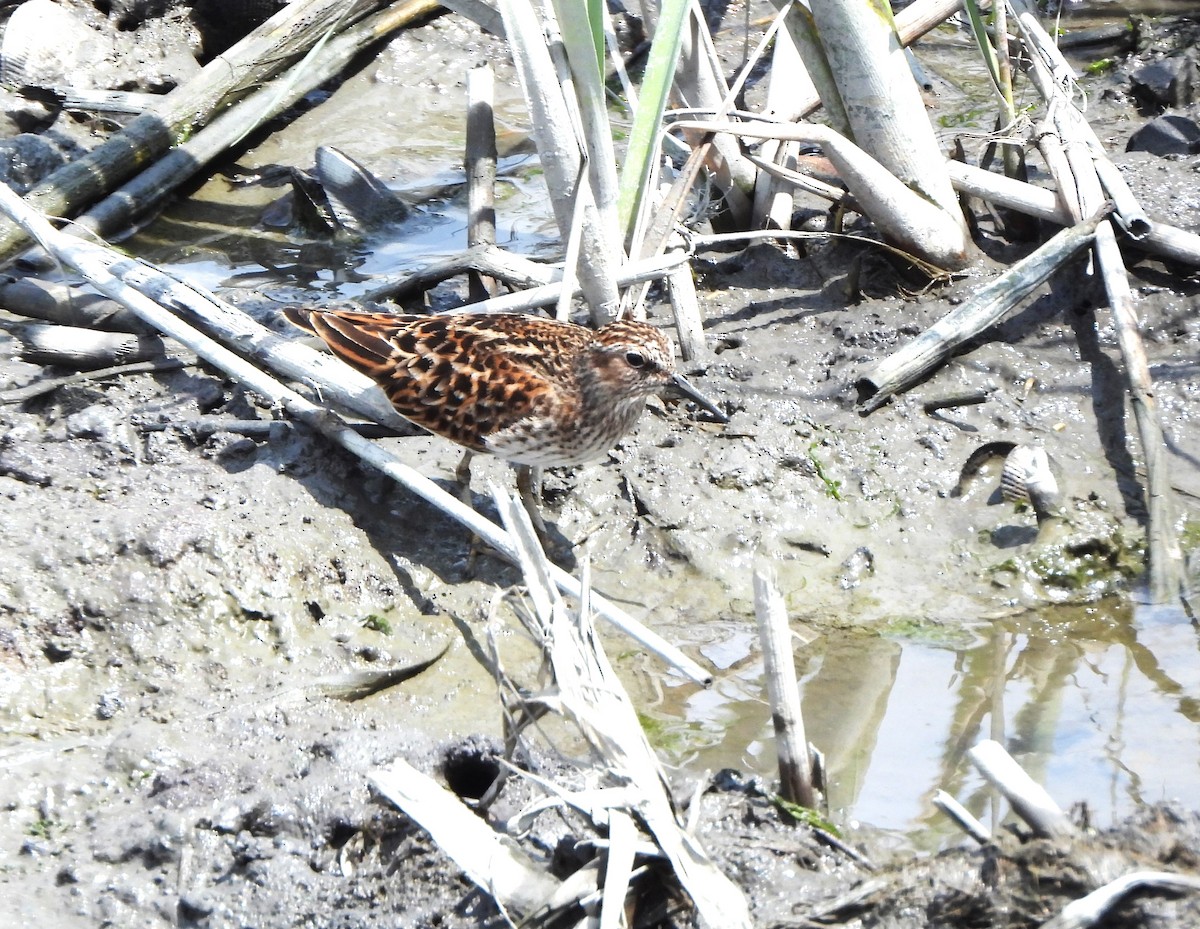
<point x="470" y="769"/>
<point x="340" y="833"/>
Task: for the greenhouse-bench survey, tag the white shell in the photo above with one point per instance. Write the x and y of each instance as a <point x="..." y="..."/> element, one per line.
<point x="1029" y="475"/>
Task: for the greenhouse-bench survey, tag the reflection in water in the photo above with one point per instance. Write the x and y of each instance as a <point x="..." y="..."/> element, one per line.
<point x="845" y="701"/>
<point x="1099" y="703"/>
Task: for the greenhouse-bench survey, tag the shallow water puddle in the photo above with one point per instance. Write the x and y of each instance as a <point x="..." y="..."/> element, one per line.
<point x="1099" y="704"/>
<point x="242" y="253"/>
<point x="403" y="119"/>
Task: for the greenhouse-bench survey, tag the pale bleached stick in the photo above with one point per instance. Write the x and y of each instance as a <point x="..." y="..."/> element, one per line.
<point x="961" y="815"/>
<point x="491" y="860"/>
<point x="689" y="322"/>
<point x="337" y="383"/>
<point x="791" y="744"/>
<point x="1088" y="911"/>
<point x="618" y="868"/>
<point x="990" y="304"/>
<point x="1028" y="798"/>
<point x="1163" y="240"/>
<point x="481" y="171"/>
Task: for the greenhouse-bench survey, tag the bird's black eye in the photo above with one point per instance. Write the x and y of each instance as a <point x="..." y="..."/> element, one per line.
<point x="635" y="359"/>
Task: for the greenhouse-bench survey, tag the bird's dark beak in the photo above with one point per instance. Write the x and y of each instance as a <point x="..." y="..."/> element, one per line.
<point x="680" y="384"/>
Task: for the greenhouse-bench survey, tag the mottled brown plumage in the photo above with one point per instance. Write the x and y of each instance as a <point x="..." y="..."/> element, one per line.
<point x="527" y="389"/>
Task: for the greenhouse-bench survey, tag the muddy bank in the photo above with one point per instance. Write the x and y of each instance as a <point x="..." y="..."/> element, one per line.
<point x="176" y="602"/>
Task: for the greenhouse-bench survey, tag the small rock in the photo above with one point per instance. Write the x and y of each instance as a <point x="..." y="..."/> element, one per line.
<point x="209" y="395"/>
<point x="104" y="424"/>
<point x="20" y="465"/>
<point x="228" y="446"/>
<point x="58" y="649"/>
<point x="739" y="469"/>
<point x="36" y="848"/>
<point x="91" y="423"/>
<point x="66" y="875"/>
<point x="1167" y="135"/>
<point x="1170" y="82"/>
<point x="27" y="159"/>
<point x="21" y="113"/>
<point x="196" y="906"/>
<point x="109" y="705"/>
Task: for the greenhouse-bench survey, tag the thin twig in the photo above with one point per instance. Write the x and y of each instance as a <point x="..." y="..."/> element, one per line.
<point x="962" y="816"/>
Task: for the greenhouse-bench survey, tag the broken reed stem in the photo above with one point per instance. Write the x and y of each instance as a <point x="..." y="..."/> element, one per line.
<point x="47" y="385"/>
<point x="481" y="173"/>
<point x="490" y="261"/>
<point x="689" y="321"/>
<point x="1163" y="240"/>
<point x="490" y="859"/>
<point x="791" y="744"/>
<point x="963" y="817"/>
<point x="1029" y="800"/>
<point x="1164" y="556"/>
<point x="67" y="305"/>
<point x="1050" y="144"/>
<point x="93" y="261"/>
<point x="1090" y="910"/>
<point x="991" y="303"/>
<point x="788" y="79"/>
<point x="78" y="348"/>
<point x="1129" y="212"/>
<point x="1051" y="73"/>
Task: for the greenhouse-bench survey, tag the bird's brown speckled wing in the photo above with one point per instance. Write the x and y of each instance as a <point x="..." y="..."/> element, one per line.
<point x="463" y="377"/>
